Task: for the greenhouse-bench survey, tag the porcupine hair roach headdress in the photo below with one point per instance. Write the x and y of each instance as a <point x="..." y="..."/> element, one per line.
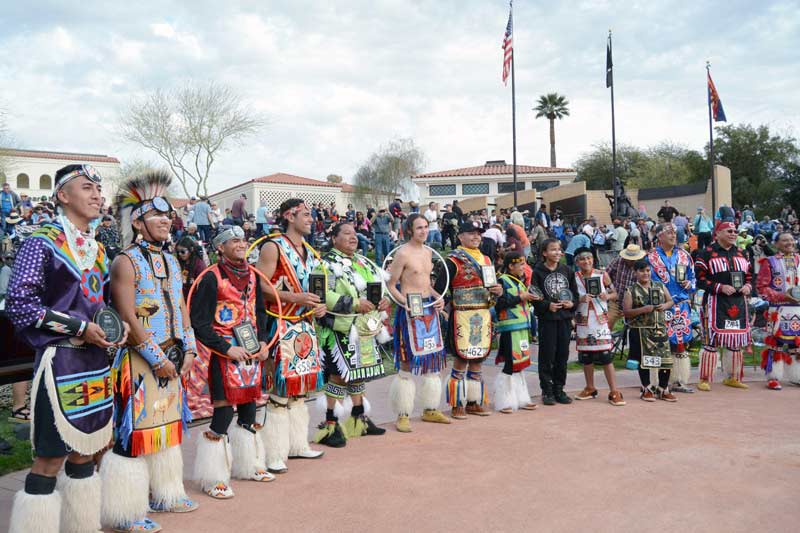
<point x="135" y="198"/>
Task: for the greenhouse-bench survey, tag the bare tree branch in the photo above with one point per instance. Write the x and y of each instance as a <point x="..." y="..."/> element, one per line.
<point x="188" y="127"/>
<point x="388" y="171"/>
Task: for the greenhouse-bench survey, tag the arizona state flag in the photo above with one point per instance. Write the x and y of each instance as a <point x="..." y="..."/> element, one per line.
<point x="714" y="102"/>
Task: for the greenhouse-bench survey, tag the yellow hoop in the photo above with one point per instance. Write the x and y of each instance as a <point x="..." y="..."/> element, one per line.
<point x="316" y="254"/>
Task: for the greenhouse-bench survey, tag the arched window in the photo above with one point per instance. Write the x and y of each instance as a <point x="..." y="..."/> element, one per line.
<point x="45" y="182"/>
<point x="23" y="181"/>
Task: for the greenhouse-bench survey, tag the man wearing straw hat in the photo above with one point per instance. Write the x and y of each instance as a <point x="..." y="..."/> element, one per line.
<point x="623" y="275"/>
<point x="229" y="317"/>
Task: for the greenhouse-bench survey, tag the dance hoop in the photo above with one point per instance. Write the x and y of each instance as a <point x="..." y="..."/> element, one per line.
<point x="380" y="272"/>
<point x="446" y="272"/>
<point x="258" y="274"/>
<point x="280" y="312"/>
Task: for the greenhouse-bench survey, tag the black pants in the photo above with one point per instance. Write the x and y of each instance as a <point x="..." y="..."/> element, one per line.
<point x="635" y="353"/>
<point x="554" y="338"/>
<point x="703" y="240"/>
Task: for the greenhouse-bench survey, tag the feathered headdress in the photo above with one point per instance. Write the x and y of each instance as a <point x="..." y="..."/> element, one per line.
<point x="134" y="198"/>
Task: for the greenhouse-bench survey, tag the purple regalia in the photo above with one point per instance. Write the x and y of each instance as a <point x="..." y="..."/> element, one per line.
<point x="50" y="301"/>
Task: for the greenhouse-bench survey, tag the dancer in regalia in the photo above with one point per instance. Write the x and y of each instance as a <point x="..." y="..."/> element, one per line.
<point x="779" y="284"/>
<point x="352" y="339"/>
<point x="59" y="283"/>
<point x="673" y="266"/>
<point x="144" y="471"/>
<point x="593" y="335"/>
<point x="723" y="272"/>
<point x="287" y="260"/>
<point x="418" y="344"/>
<point x="644" y="306"/>
<point x="514" y="348"/>
<point x="228" y="314"/>
<point x="469" y="335"/>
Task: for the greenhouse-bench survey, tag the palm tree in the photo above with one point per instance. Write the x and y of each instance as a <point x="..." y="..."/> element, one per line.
<point x="553" y="106"/>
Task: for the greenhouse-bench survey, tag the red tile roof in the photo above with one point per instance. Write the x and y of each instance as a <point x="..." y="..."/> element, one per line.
<point x="70" y="156"/>
<point x="179" y="202"/>
<point x="346" y="187"/>
<point x="289" y="179"/>
<point x="493" y="170"/>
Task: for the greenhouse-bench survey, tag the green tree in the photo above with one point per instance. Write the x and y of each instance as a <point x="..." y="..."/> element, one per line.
<point x="553" y="106"/>
<point x="657" y="166"/>
<point x="763" y="166"/>
<point x="334" y="178"/>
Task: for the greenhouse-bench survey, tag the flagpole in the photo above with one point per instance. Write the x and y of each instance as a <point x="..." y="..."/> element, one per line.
<point x="711" y="145"/>
<point x="614" y="181"/>
<point x="513" y="120"/>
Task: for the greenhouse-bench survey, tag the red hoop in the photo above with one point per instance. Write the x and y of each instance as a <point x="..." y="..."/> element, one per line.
<point x="263" y="278"/>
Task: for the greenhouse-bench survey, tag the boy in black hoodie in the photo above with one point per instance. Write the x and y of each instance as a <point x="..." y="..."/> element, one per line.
<point x="557" y="283"/>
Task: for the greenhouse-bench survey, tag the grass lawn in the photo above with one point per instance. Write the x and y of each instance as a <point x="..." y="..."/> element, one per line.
<point x="20" y="456"/>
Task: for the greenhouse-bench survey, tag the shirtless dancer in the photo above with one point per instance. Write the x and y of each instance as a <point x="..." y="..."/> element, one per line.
<point x="418" y="344"/>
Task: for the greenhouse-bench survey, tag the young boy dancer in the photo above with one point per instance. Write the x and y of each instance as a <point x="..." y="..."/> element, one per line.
<point x="514" y="349"/>
<point x="557" y="283"/>
<point x="418" y="345"/>
<point x="595" y="290"/>
<point x="228" y="315"/>
<point x="644" y="305"/>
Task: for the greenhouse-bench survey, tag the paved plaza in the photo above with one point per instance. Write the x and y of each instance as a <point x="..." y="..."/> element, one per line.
<point x="728" y="460"/>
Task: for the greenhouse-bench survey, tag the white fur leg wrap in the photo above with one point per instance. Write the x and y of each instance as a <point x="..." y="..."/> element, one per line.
<point x="166" y="476"/>
<point x="430" y="391"/>
<point x="521" y="389"/>
<point x="35" y="513"/>
<point x="401" y="395"/>
<point x="276" y="434"/>
<point x="777" y="370"/>
<point x="474" y="391"/>
<point x="244" y="448"/>
<point x="126" y="484"/>
<point x="212" y="463"/>
<point x="504" y="393"/>
<point x="298" y="427"/>
<point x="80" y="503"/>
<point x="681" y="370"/>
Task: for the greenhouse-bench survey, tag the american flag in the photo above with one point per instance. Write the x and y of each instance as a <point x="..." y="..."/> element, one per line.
<point x="508" y="47"/>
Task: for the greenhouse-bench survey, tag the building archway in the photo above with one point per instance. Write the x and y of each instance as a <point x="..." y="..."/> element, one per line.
<point x="23" y="181"/>
<point x="45" y="182"/>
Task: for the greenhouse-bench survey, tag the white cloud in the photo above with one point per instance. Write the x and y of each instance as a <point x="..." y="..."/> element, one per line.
<point x="339" y="79"/>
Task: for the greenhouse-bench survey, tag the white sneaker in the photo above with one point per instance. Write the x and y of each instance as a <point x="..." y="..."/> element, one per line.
<point x="308" y="453"/>
<point x="278" y="467"/>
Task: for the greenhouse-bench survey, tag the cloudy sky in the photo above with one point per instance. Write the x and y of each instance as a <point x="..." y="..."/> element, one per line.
<point x="338" y="79"/>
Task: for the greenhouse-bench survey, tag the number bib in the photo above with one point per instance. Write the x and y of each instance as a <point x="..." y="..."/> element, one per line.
<point x="298" y="369"/>
<point x="472" y="333"/>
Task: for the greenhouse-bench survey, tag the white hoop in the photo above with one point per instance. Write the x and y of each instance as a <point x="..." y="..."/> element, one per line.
<point x="380" y="272"/>
<point x="446" y="272"/>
